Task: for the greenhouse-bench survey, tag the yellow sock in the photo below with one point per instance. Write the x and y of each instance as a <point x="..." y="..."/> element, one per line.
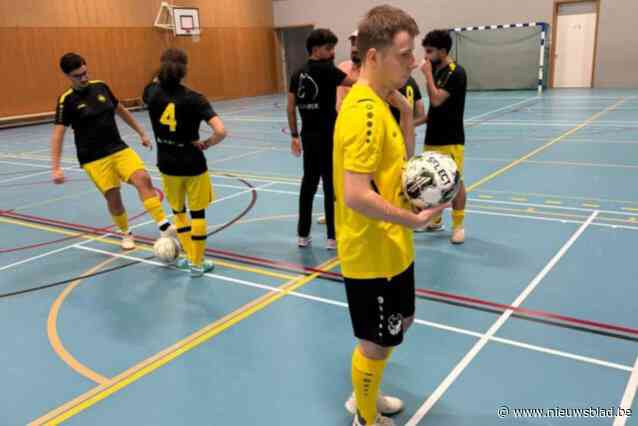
<point x="183" y="225"/>
<point x="121" y="221"/>
<point x="366" y="381"/>
<point x="153" y="206"/>
<point x="457" y="218"/>
<point x="198" y="238"/>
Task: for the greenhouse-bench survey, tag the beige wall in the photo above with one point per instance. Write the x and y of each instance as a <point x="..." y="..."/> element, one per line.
<point x="617" y="42"/>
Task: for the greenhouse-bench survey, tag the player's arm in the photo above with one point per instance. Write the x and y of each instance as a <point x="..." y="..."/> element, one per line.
<point x="437" y="95"/>
<point x="133" y="124"/>
<point x="57" y="139"/>
<point x="420" y="117"/>
<point x="360" y="196"/>
<point x="400" y="102"/>
<point x="219" y="132"/>
<point x="295" y="144"/>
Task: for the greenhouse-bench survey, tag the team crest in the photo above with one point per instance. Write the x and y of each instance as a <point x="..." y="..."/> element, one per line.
<point x="395" y="324"/>
<point x="101" y="98"/>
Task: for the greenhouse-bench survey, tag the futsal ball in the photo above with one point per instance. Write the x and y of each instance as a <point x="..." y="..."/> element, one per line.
<point x="166" y="249"/>
<point x="430" y="179"/>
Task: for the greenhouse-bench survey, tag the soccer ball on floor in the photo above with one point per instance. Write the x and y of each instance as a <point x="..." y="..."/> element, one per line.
<point x="166" y="249"/>
<point x="430" y="179"/>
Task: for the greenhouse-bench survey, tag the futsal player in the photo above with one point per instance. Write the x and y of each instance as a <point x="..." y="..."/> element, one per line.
<point x="447" y="88"/>
<point x="374" y="222"/>
<point x="176" y="113"/>
<point x="89" y="107"/>
<point x="313" y="90"/>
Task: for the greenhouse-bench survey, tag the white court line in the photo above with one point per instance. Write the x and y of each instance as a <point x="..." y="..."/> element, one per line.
<point x="88" y="240"/>
<point x="448" y="328"/>
<point x="467" y="359"/>
<point x="476" y="117"/>
<point x="25" y="176"/>
<point x="549" y="206"/>
<point x="628" y="397"/>
<point x="238" y="156"/>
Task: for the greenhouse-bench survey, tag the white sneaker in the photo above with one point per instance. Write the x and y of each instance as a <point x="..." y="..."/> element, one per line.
<point x="386" y="405"/>
<point x="321" y="220"/>
<point x="304" y="241"/>
<point x="380" y="421"/>
<point x="128" y="242"/>
<point x="331" y="244"/>
<point x="458" y="236"/>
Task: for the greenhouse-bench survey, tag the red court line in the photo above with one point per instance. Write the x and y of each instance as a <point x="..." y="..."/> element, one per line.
<point x="338" y="277"/>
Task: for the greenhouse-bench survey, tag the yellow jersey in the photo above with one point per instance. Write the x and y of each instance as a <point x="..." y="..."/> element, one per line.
<point x="368" y="140"/>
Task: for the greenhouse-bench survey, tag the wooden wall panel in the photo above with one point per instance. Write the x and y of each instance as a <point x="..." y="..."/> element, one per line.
<point x="235" y="56"/>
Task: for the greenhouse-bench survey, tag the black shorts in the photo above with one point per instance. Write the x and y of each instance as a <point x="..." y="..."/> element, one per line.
<point x="379" y="306"/>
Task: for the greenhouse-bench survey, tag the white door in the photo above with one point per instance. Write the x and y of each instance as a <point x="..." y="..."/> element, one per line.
<point x="575" y="38"/>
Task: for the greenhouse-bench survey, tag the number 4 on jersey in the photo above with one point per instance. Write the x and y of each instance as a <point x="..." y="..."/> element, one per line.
<point x="168" y="117"/>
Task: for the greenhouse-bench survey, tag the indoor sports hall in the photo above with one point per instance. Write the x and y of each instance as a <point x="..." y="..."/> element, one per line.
<point x="532" y="321"/>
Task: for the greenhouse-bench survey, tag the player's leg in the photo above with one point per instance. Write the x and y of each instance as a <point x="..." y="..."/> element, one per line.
<point x="377" y="318"/>
<point x="175" y="192"/>
<point x="200" y="194"/>
<point x="458" y="204"/>
<point x="131" y="169"/>
<point x="105" y="178"/>
<point x="309" y="185"/>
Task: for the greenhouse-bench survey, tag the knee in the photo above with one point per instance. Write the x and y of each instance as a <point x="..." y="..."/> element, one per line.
<point x="373" y="351"/>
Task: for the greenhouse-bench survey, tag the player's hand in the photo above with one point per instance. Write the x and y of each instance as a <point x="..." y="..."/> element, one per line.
<point x="295" y="147"/>
<point x="425" y="216"/>
<point x="426" y="67"/>
<point x="58" y="176"/>
<point x="400" y="102"/>
<point x="146" y="142"/>
<point x="202" y="145"/>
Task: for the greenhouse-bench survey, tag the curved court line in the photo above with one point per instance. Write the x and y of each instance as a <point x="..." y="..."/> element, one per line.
<point x="54" y="338"/>
<point x="542" y="148"/>
<point x="151" y="364"/>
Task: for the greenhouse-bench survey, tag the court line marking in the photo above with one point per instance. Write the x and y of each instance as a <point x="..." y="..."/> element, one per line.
<point x="422" y="322"/>
<point x="115" y="242"/>
<point x="543" y="147"/>
<point x="440" y="326"/>
<point x="54" y="338"/>
<point x="550" y="206"/>
<point x="628" y="397"/>
<point x="473" y="352"/>
<point x="566" y="197"/>
<point x="40" y="256"/>
<point x="151" y="364"/>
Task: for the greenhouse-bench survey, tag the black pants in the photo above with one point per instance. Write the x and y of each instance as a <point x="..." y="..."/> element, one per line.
<point x="317" y="164"/>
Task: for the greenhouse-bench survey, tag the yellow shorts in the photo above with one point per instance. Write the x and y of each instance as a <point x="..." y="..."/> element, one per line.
<point x="107" y="173"/>
<point x="457" y="152"/>
<point x="197" y="189"/>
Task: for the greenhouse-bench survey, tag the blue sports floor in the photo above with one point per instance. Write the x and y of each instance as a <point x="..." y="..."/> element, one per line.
<point x="538" y="310"/>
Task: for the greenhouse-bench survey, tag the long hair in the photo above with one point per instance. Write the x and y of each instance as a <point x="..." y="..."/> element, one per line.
<point x="173" y="63"/>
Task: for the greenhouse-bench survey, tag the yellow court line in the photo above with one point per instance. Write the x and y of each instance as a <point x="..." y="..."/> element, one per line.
<point x="54" y="338"/>
<point x="566" y="197"/>
<point x="532" y="153"/>
<point x="108" y="240"/>
<point x="591" y="206"/>
<point x="520" y="200"/>
<point x="629" y="209"/>
<point x="151" y="364"/>
<point x="553" y="202"/>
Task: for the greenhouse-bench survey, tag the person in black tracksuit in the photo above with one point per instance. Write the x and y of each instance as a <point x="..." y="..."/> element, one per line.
<point x="313" y="90"/>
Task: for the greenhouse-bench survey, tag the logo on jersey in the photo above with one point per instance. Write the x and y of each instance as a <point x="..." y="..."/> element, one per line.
<point x="101" y="98"/>
<point x="308" y="92"/>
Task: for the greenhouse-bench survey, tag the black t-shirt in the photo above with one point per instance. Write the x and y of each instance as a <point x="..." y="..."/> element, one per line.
<point x="315" y="89"/>
<point x="91" y="114"/>
<point x="445" y="122"/>
<point x="176" y="116"/>
<point x="410" y="91"/>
